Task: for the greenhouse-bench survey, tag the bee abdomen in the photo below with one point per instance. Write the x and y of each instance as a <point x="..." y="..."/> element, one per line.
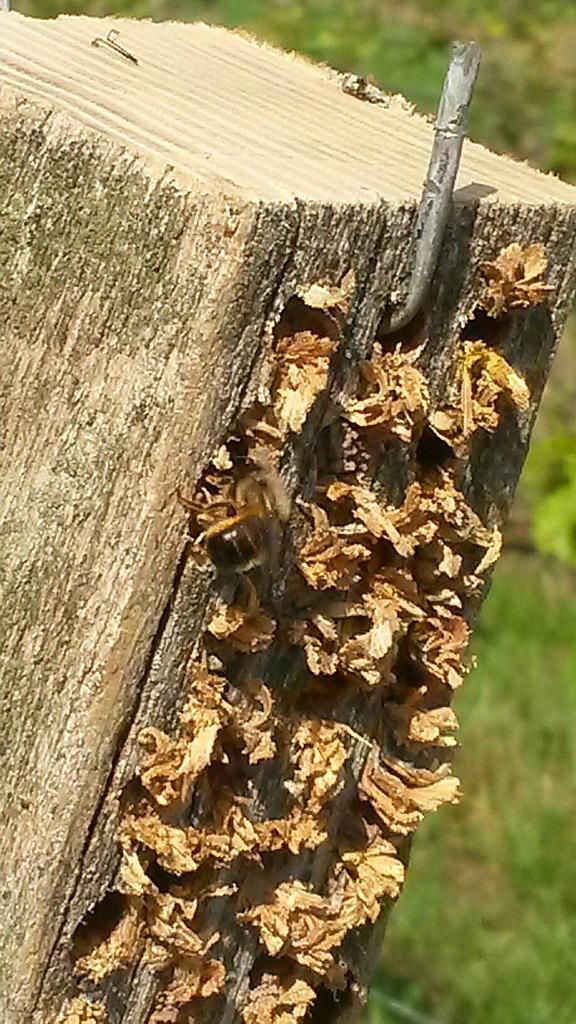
<point x="240" y="547"/>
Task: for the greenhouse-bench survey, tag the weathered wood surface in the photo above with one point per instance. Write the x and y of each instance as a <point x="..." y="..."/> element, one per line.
<point x="153" y="221"/>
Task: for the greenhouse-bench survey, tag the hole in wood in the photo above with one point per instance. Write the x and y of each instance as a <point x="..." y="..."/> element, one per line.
<point x="488" y="329"/>
<point x="98" y="924"/>
<point x="408" y="674"/>
<point x="330" y="1006"/>
<point x="432" y="451"/>
<point x="329" y="446"/>
<point x="407" y="338"/>
<point x="320" y="696"/>
<point x="162" y="879"/>
<point x="297" y="317"/>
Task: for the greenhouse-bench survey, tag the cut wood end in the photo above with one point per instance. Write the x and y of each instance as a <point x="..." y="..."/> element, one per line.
<point x="223" y="109"/>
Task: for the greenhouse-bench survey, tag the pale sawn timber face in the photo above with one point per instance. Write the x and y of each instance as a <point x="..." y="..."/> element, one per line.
<point x="241" y="116"/>
<point x="133" y="310"/>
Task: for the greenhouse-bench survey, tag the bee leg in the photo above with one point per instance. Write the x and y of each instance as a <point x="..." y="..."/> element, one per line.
<point x="188" y="503"/>
<point x="306" y="506"/>
<point x="246" y="590"/>
<point x="275" y="550"/>
<point x="199" y="559"/>
<point x="282" y="500"/>
<point x="277" y="567"/>
<point x="196" y="542"/>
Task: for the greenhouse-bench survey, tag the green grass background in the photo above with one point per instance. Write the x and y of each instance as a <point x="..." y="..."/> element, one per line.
<point x="485" y="932"/>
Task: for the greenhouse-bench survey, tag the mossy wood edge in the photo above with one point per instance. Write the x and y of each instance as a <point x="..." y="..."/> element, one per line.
<point x="136" y="298"/>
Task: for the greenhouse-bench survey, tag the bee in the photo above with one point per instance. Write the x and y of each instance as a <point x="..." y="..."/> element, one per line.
<point x="250" y="536"/>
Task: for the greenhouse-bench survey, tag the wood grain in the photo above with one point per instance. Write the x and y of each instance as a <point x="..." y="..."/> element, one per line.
<point x="239" y="115"/>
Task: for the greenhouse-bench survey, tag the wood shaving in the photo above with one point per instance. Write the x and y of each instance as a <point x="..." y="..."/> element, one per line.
<point x="193" y="978"/>
<point x="438" y="644"/>
<point x="448" y="425"/>
<point x="492" y="553"/>
<point x="300" y="830"/>
<point x="181" y="850"/>
<point x="389" y="603"/>
<point x="437" y="561"/>
<point x="307" y="927"/>
<point x="413" y="777"/>
<point x="254" y="722"/>
<point x="121" y="947"/>
<point x="178" y="850"/>
<point x="391" y="393"/>
<point x="400" y="808"/>
<point x="387" y="607"/>
<point x="365" y="878"/>
<point x="329" y="559"/>
<point x="514" y="280"/>
<point x="486" y="377"/>
<point x="278" y="1001"/>
<point x="205" y="706"/>
<point x="81" y="1011"/>
<point x="366" y="509"/>
<point x="321" y="650"/>
<point x="133" y="880"/>
<point x="245" y="629"/>
<point x="222" y="460"/>
<point x="303" y="365"/>
<point x="165" y="1015"/>
<point x="236" y="837"/>
<point x="367" y="657"/>
<point x="486" y="380"/>
<point x="406" y="526"/>
<point x="327" y="296"/>
<point x="173" y="765"/>
<point x="261" y="432"/>
<point x="172" y="937"/>
<point x="443" y="503"/>
<point x="299" y="924"/>
<point x="430" y="798"/>
<point x="434" y="727"/>
<point x="319" y="756"/>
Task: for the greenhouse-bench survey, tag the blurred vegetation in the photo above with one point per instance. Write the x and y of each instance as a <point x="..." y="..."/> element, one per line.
<point x="486" y="929"/>
<point x="550" y="485"/>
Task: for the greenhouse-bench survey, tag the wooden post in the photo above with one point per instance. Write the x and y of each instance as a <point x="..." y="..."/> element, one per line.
<point x="209" y="780"/>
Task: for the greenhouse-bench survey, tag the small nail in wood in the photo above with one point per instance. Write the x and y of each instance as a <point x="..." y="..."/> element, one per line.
<point x="111" y="41"/>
